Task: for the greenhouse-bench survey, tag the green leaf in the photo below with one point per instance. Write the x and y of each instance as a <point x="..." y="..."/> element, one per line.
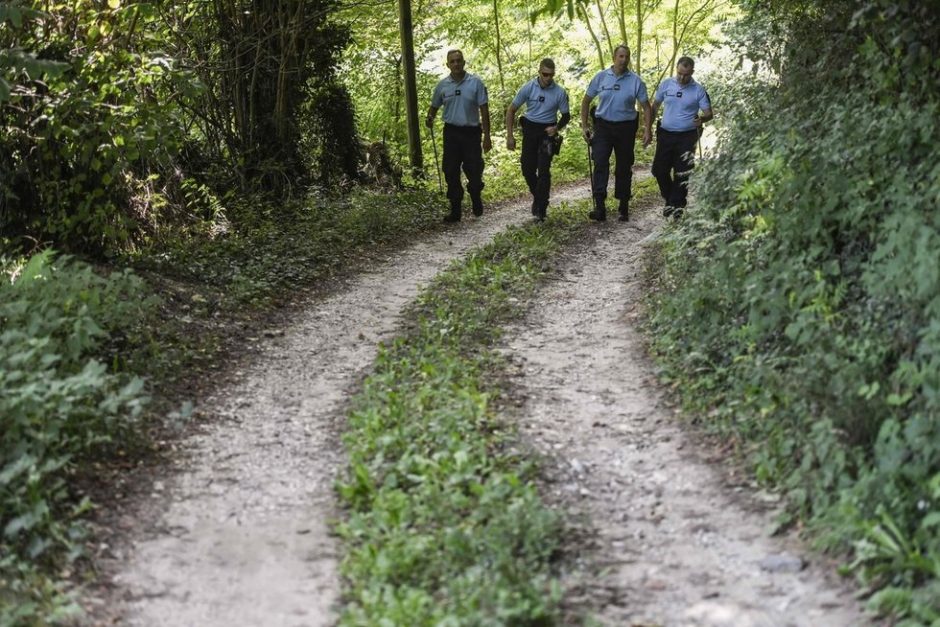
<point x="12" y="14"/>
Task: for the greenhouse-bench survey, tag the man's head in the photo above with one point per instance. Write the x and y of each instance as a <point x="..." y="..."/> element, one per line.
<point x="685" y="66"/>
<point x="455" y="62"/>
<point x="621" y="58"/>
<point x="546" y="72"/>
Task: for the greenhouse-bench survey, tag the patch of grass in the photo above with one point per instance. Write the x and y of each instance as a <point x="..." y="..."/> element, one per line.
<point x="445" y="525"/>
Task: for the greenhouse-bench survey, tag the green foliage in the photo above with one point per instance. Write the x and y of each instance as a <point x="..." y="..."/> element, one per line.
<point x="278" y="249"/>
<point x="800" y="303"/>
<point x="266" y="66"/>
<point x="330" y="139"/>
<point x="58" y="405"/>
<point x="86" y="124"/>
<point x="445" y="525"/>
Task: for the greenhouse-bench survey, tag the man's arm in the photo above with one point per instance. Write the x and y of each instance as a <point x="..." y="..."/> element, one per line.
<point x="647" y="123"/>
<point x="432" y="113"/>
<point x="551" y="131"/>
<point x="485" y="124"/>
<point x="510" y="123"/>
<point x="585" y="127"/>
<point x="703" y="117"/>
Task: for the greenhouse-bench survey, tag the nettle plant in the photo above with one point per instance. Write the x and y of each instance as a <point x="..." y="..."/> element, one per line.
<point x="59" y="403"/>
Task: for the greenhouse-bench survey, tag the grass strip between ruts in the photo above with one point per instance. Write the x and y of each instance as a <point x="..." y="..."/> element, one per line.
<point x="445" y="525"/>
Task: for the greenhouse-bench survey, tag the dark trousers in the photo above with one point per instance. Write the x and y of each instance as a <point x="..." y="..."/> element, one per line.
<point x="619" y="138"/>
<point x="462" y="148"/>
<point x="672" y="164"/>
<point x="536" y="161"/>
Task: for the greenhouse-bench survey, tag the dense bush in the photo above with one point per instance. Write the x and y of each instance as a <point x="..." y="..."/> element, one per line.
<point x="800" y="302"/>
<point x="87" y="124"/>
<point x="58" y="405"/>
<point x="121" y="121"/>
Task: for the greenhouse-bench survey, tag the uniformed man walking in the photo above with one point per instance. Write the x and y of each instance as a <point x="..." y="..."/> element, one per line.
<point x="466" y="118"/>
<point x="615" y="127"/>
<point x="687" y="107"/>
<point x="543" y="100"/>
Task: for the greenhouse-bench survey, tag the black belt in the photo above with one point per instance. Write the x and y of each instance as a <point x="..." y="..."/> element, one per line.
<point x="620" y="122"/>
<point x="524" y="121"/>
<point x="662" y="130"/>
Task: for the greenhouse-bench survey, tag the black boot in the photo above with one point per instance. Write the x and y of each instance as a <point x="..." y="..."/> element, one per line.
<point x="624" y="211"/>
<point x="540" y="213"/>
<point x="600" y="211"/>
<point x="454" y="215"/>
<point x="476" y="202"/>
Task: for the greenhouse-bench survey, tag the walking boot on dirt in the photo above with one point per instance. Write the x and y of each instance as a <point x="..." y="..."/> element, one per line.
<point x="454" y="215"/>
<point x="476" y="199"/>
<point x="476" y="202"/>
<point x="600" y="210"/>
<point x="624" y="210"/>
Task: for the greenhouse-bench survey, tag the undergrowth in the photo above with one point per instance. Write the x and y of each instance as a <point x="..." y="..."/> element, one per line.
<point x="798" y="306"/>
<point x="445" y="525"/>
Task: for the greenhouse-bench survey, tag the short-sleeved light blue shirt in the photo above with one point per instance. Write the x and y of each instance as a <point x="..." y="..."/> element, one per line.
<point x="461" y="99"/>
<point x="542" y="104"/>
<point x="681" y="104"/>
<point x="618" y="95"/>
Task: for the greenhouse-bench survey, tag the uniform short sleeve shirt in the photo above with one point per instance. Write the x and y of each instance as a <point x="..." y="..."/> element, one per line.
<point x="542" y="104"/>
<point x="461" y="99"/>
<point x="618" y="95"/>
<point x="681" y="104"/>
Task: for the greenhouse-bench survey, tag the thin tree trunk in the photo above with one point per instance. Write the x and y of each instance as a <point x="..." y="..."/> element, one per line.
<point x="597" y="43"/>
<point x="677" y="39"/>
<point x="610" y="40"/>
<point x="499" y="43"/>
<point x="528" y="24"/>
<point x="621" y="16"/>
<point x="638" y="55"/>
<point x="411" y="86"/>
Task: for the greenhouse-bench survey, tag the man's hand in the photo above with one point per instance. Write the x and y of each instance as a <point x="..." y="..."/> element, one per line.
<point x="510" y="143"/>
<point x="487" y="144"/>
<point x="551" y="130"/>
<point x="587" y="134"/>
<point x="647" y="137"/>
<point x="429" y="121"/>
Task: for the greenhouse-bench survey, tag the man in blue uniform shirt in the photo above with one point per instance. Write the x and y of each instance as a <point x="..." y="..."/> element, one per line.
<point x="687" y="107"/>
<point x="466" y="118"/>
<point x="615" y="127"/>
<point x="543" y="100"/>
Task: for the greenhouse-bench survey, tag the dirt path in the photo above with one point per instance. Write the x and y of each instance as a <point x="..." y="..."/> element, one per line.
<point x="238" y="533"/>
<point x="667" y="540"/>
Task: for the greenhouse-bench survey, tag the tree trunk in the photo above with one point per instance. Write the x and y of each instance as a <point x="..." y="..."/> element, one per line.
<point x="638" y="55"/>
<point x="597" y="43"/>
<point x="610" y="40"/>
<point x="411" y="85"/>
<point x="499" y="44"/>
<point x="621" y="18"/>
